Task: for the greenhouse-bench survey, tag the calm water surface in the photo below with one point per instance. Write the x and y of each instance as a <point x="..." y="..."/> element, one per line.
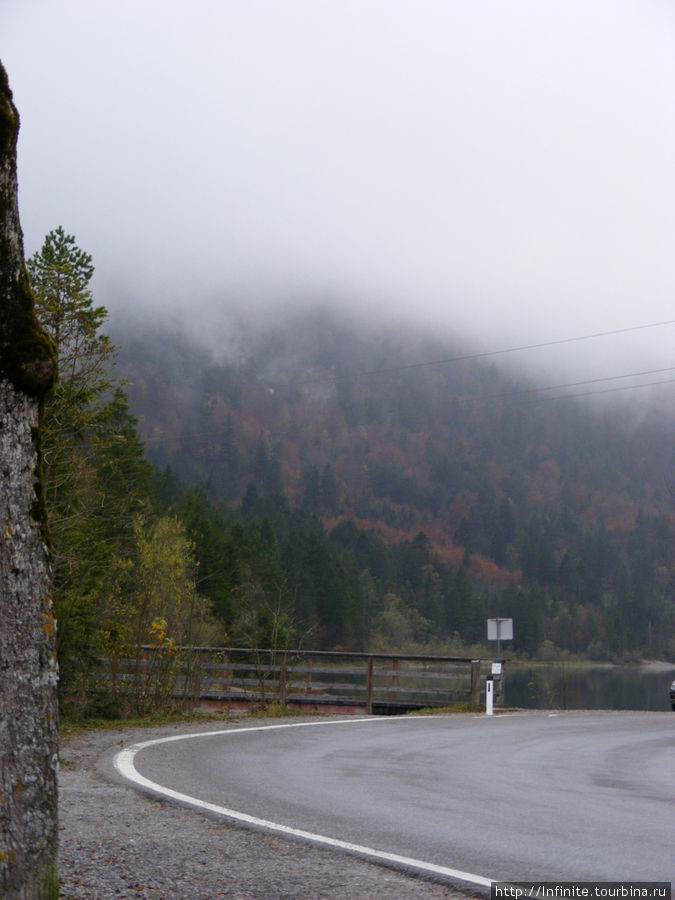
<point x="566" y="686"/>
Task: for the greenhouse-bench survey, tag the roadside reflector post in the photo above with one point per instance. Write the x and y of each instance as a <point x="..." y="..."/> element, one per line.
<point x="489" y="695"/>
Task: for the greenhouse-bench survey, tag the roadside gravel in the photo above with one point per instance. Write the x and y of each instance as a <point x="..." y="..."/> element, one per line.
<point x="116" y="842"/>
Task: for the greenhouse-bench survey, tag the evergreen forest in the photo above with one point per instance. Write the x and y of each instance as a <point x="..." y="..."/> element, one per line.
<point x="310" y="480"/>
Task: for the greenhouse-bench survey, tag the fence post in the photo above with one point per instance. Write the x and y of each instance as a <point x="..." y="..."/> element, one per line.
<point x="142" y="684"/>
<point x="501" y="685"/>
<point x="394" y="678"/>
<point x="196" y="684"/>
<point x="475" y="682"/>
<point x="308" y="676"/>
<point x="282" y="681"/>
<point x="226" y="679"/>
<point x="369" y="692"/>
<point x="113" y="666"/>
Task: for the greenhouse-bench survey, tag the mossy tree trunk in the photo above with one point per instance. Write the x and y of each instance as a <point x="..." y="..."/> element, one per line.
<point x="28" y="671"/>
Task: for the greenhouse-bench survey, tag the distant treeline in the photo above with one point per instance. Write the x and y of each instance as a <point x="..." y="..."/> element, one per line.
<point x="434" y="496"/>
<point x="290" y="499"/>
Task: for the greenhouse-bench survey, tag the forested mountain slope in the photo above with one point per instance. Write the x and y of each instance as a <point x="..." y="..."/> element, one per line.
<point x="553" y="511"/>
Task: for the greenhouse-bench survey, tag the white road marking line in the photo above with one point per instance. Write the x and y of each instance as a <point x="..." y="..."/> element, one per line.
<point x="124" y="764"/>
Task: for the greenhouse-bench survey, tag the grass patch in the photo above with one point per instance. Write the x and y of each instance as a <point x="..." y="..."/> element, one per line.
<point x="154" y="720"/>
<point x="276" y="711"/>
<point x="74" y="725"/>
<point x="444" y="710"/>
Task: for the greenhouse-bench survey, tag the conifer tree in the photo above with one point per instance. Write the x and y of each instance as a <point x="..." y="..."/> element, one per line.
<point x="96" y="479"/>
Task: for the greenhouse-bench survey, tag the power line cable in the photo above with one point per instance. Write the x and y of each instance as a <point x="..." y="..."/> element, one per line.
<point x="470" y="356"/>
<point x="628" y="387"/>
<point x="476" y="398"/>
<point x="571" y="384"/>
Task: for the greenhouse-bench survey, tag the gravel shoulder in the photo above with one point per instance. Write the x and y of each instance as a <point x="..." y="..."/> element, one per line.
<point x="116" y="842"/>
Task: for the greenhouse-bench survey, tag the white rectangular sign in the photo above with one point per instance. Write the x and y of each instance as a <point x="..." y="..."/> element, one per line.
<point x="500" y="629"/>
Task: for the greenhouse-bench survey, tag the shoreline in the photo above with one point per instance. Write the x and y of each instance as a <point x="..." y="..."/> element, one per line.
<point x="650" y="665"/>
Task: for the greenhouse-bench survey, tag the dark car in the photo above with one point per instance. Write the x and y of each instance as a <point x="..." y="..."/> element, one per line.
<point x="672" y="696"/>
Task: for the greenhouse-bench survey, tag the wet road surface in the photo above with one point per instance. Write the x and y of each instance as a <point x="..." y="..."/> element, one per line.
<point x="574" y="796"/>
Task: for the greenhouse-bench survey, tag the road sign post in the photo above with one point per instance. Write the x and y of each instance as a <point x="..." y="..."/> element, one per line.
<point x="499" y="630"/>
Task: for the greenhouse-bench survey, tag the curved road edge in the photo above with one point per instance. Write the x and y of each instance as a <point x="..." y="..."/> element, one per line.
<point x="123" y="763"/>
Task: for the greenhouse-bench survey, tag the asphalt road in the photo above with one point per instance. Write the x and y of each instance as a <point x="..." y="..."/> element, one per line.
<point x="519" y="797"/>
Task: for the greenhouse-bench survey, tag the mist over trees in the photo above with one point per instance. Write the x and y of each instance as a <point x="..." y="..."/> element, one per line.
<point x="315" y="486"/>
<point x="449" y="491"/>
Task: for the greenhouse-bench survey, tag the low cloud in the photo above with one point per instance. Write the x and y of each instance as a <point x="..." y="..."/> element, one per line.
<point x="503" y="170"/>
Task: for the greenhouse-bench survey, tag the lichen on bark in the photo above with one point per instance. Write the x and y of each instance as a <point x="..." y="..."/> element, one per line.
<point x="28" y="670"/>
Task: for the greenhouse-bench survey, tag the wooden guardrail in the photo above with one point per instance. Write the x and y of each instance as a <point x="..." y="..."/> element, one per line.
<point x="328" y="680"/>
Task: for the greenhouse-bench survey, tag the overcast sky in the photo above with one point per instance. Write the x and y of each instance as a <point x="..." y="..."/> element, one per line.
<point x="503" y="167"/>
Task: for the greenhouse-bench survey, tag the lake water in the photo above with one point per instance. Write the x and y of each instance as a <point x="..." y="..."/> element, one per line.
<point x="566" y="686"/>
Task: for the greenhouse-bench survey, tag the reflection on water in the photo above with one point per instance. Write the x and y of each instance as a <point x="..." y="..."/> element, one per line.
<point x="568" y="686"/>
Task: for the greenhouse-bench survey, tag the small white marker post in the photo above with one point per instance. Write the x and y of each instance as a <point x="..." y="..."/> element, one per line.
<point x="489" y="695"/>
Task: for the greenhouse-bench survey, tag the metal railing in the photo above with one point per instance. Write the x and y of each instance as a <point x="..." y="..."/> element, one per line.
<point x="322" y="680"/>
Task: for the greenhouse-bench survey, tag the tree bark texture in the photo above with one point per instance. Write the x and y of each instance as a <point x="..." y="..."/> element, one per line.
<point x="28" y="670"/>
